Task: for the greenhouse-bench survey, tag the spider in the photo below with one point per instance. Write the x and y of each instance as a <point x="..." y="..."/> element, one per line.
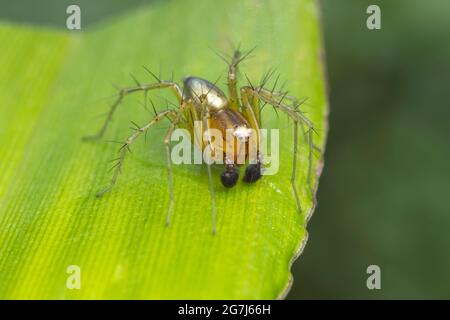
<point x="201" y="100"/>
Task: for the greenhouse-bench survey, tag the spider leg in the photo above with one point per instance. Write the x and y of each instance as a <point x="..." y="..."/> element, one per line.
<point x="293" y="103"/>
<point x="237" y="58"/>
<point x="276" y="100"/>
<point x="175" y="121"/>
<point x="232" y="80"/>
<point x="294" y="168"/>
<point x="204" y="116"/>
<point x="299" y="118"/>
<point x="249" y="104"/>
<point x="126" y="148"/>
<point x="125" y="91"/>
<point x="283" y="96"/>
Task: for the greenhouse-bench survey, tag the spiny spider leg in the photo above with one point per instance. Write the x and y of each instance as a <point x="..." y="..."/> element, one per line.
<point x="126" y="148"/>
<point x="237" y="58"/>
<point x="253" y="117"/>
<point x="173" y="125"/>
<point x="123" y="92"/>
<point x="204" y="116"/>
<point x="292" y="111"/>
<point x="294" y="167"/>
<point x="268" y="97"/>
<point x="307" y="134"/>
<point x="302" y="120"/>
<point x="294" y="103"/>
<point x="232" y="80"/>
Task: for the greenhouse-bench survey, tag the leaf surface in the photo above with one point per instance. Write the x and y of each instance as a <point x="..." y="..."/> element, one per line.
<point x="52" y="92"/>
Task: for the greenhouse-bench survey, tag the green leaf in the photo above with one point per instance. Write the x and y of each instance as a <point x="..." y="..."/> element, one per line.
<point x="52" y="90"/>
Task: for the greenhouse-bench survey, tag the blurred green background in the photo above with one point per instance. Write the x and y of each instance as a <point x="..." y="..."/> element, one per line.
<point x="382" y="197"/>
<point x="383" y="194"/>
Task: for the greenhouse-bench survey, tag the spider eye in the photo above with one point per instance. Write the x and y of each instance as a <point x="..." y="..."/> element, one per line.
<point x="229" y="177"/>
